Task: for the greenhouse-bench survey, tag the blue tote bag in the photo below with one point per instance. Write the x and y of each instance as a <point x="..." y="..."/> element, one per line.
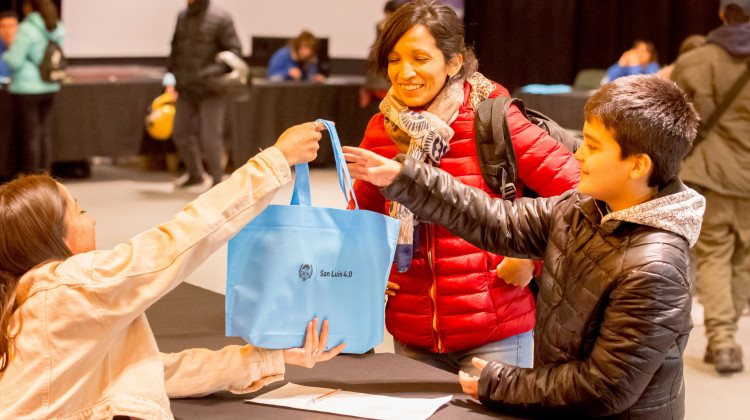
<point x="292" y="263"/>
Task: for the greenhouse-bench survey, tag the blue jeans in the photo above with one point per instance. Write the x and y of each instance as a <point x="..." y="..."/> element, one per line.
<point x="517" y="350"/>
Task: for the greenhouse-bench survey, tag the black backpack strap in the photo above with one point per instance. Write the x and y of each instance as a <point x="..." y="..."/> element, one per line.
<point x="497" y="158"/>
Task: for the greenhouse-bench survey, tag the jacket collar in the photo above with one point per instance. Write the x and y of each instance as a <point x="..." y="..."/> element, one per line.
<point x="675" y="208"/>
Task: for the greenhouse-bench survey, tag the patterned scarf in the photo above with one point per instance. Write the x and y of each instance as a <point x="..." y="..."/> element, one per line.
<point x="425" y="136"/>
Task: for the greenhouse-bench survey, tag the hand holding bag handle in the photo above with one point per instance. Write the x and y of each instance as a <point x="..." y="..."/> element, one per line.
<point x="301" y="194"/>
<point x="295" y="262"/>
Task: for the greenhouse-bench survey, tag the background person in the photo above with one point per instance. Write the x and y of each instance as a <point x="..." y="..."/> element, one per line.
<point x="688" y="44"/>
<point x="641" y="59"/>
<point x="8" y="30"/>
<point x="74" y="339"/>
<point x="296" y="61"/>
<point x="33" y="98"/>
<point x="719" y="167"/>
<point x="449" y="301"/>
<point x="203" y="30"/>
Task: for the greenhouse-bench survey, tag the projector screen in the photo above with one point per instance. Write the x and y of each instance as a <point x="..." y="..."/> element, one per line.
<point x="144" y="28"/>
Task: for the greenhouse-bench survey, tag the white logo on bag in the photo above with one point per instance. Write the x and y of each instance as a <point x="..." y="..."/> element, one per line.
<point x="305" y="271"/>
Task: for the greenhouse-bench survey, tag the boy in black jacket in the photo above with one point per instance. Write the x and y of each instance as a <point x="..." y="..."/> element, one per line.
<point x="613" y="309"/>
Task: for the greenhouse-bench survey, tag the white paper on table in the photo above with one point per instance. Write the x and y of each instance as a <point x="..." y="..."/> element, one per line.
<point x="352" y="403"/>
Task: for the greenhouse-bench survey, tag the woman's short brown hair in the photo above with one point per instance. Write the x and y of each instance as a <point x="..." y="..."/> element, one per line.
<point x="442" y="23"/>
<point x="306" y="38"/>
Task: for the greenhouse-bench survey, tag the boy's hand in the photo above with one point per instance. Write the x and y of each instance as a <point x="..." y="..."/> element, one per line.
<point x="315" y="347"/>
<point x="515" y="271"/>
<point x="470" y="384"/>
<point x="370" y="167"/>
<point x="299" y="143"/>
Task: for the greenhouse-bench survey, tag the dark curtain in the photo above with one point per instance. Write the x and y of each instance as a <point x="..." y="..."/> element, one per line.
<point x="16" y="5"/>
<point x="519" y="42"/>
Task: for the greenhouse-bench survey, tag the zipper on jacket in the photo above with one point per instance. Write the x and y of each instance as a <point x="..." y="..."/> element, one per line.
<point x="430" y="237"/>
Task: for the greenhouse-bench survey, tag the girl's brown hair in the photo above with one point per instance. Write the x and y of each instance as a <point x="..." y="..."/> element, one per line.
<point x="32" y="232"/>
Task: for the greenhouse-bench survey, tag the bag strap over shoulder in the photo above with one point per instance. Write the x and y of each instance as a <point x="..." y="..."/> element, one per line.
<point x="497" y="158"/>
<point x="732" y="94"/>
<point x="301" y="193"/>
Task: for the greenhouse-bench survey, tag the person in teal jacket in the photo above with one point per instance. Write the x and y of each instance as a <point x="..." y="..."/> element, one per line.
<point x="33" y="98"/>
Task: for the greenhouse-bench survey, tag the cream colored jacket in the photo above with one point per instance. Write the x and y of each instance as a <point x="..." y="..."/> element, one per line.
<point x="85" y="349"/>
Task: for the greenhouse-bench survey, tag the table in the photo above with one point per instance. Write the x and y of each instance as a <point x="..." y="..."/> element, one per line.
<point x="100" y="112"/>
<point x="190" y="316"/>
<point x="564" y="108"/>
<point x="272" y="107"/>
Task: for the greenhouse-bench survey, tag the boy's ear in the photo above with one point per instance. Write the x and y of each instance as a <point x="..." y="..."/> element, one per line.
<point x="642" y="166"/>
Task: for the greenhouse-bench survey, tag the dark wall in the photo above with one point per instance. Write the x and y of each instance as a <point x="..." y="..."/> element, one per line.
<point x="519" y="42"/>
<point x="16" y="5"/>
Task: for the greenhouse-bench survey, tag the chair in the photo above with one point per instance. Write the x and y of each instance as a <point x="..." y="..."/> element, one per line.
<point x="587" y="79"/>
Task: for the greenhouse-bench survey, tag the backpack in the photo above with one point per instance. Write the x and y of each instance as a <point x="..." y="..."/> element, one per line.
<point x="497" y="158"/>
<point x="53" y="67"/>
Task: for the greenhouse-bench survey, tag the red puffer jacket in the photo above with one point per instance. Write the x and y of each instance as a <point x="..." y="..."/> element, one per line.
<point x="451" y="299"/>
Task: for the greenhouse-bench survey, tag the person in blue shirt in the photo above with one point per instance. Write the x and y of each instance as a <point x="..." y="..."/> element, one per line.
<point x="641" y="59"/>
<point x="8" y="29"/>
<point x="296" y="61"/>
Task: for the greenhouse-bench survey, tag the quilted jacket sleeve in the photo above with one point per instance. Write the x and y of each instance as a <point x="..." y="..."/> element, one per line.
<point x="544" y="165"/>
<point x="516" y="229"/>
<point x="368" y="195"/>
<point x="647" y="310"/>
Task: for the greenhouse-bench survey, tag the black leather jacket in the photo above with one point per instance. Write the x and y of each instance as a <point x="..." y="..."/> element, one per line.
<point x="613" y="309"/>
<point x="202" y="31"/>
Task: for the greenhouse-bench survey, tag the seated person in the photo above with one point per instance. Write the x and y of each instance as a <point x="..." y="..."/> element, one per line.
<point x="74" y="339"/>
<point x="641" y="59"/>
<point x="613" y="308"/>
<point x="296" y="61"/>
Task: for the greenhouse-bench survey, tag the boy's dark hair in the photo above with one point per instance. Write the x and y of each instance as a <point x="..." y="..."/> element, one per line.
<point x="647" y="114"/>
<point x="5" y="14"/>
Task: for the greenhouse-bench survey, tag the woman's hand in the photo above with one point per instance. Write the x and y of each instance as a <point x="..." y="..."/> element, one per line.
<point x="470" y="384"/>
<point x="516" y="271"/>
<point x="299" y="143"/>
<point x="392" y="288"/>
<point x="314" y="349"/>
<point x="295" y="73"/>
<point x="371" y="167"/>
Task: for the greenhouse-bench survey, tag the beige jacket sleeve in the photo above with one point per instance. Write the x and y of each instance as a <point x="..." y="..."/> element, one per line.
<point x="131" y="277"/>
<point x="239" y="369"/>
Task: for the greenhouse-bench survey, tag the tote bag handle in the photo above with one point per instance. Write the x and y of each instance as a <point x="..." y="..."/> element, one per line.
<point x="301" y="194"/>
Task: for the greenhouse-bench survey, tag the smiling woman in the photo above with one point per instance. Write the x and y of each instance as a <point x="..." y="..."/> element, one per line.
<point x="447" y="301"/>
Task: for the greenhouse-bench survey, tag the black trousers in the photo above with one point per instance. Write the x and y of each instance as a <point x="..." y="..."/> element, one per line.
<point x="198" y="134"/>
<point x="32" y="116"/>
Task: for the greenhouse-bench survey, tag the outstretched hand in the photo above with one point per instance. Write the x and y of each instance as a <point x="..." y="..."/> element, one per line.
<point x="299" y="143"/>
<point x="470" y="384"/>
<point x="516" y="271"/>
<point x="314" y="349"/>
<point x="371" y="167"/>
